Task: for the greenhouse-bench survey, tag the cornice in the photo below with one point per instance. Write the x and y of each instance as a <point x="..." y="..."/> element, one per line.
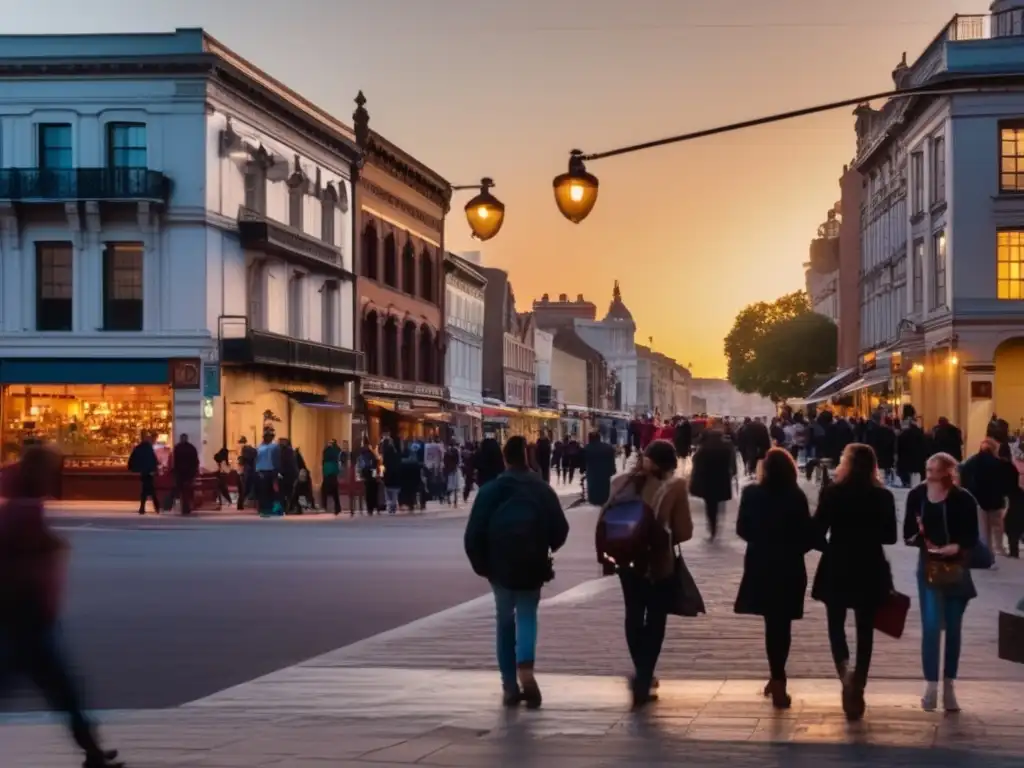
<point x="381" y="154"/>
<point x="398" y="203"/>
<point x="113" y="66"/>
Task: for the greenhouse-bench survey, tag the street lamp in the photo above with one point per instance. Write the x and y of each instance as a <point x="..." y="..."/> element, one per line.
<point x="576" y="191"/>
<point x="485" y="213"/>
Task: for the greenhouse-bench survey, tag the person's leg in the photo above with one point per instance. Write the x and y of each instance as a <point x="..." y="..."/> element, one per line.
<point x="778" y="633"/>
<point x="505" y="626"/>
<point x="836" y="617"/>
<point x="654" y="634"/>
<point x="865" y="619"/>
<point x="711" y="510"/>
<point x="635" y="613"/>
<point x="526" y="603"/>
<point x="143" y="494"/>
<point x="336" y="496"/>
<point x="998" y="543"/>
<point x="953" y="610"/>
<point x="185" y="494"/>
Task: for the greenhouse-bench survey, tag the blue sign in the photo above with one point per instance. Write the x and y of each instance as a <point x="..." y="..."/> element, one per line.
<point x="211" y="379"/>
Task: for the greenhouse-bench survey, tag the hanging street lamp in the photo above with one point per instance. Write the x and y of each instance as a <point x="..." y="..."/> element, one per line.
<point x="485" y="213"/>
<point x="576" y="191"/>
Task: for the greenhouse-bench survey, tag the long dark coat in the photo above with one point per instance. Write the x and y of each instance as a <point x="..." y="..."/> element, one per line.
<point x="853" y="523"/>
<point x="714" y="465"/>
<point x="776" y="524"/>
<point x="599" y="461"/>
<point x="911" y="450"/>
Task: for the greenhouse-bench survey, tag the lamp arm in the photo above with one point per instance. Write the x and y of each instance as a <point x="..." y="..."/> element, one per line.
<point x="766" y="120"/>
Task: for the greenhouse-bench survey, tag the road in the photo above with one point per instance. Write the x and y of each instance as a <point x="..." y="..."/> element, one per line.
<point x="164" y="611"/>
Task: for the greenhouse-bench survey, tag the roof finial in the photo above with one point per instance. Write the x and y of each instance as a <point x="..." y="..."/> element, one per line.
<point x="616" y="293"/>
<point x="361" y="121"/>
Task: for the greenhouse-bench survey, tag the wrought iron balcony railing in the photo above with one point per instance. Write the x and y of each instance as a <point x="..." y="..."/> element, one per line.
<point x="29" y="185"/>
<point x="266" y="348"/>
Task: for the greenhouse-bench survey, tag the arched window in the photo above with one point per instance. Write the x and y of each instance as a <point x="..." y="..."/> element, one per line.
<point x="427" y="276"/>
<point x="391" y="348"/>
<point x="426" y="373"/>
<point x="409" y="269"/>
<point x="370" y="255"/>
<point x="371" y="330"/>
<point x="409" y="351"/>
<point x="390" y="261"/>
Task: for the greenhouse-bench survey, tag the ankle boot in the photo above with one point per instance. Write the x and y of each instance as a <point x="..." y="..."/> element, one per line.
<point x="528" y="684"/>
<point x="780" y="698"/>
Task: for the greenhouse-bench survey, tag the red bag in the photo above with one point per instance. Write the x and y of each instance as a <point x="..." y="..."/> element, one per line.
<point x="891" y="618"/>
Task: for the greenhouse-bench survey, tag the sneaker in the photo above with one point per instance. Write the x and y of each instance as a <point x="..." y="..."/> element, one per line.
<point x="930" y="700"/>
<point x="949" y="702"/>
<point x="531" y="691"/>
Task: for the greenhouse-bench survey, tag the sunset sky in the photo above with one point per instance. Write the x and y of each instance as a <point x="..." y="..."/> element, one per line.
<point x="506" y="88"/>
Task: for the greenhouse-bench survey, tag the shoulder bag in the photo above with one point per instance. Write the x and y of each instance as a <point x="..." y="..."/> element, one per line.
<point x="939" y="572"/>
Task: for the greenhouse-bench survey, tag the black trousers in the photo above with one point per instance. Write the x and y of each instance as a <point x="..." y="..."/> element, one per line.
<point x="329" y="489"/>
<point x="570" y="473"/>
<point x="864" y="619"/>
<point x="32" y="649"/>
<point x="1014" y="525"/>
<point x="148" y="492"/>
<point x="246" y="486"/>
<point x="646" y="616"/>
<point x="545" y="472"/>
<point x="778" y="637"/>
<point x="371" y="494"/>
<point x="711" y="509"/>
<point x="222" y="487"/>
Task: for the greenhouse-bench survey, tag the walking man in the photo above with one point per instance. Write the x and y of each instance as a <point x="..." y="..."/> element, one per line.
<point x="143" y="462"/>
<point x="185" y="469"/>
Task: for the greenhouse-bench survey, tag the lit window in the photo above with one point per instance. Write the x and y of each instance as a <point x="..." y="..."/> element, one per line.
<point x="1010" y="276"/>
<point x="1011" y="158"/>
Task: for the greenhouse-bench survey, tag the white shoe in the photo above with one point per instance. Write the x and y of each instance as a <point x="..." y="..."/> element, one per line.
<point x="949" y="702"/>
<point x="930" y="700"/>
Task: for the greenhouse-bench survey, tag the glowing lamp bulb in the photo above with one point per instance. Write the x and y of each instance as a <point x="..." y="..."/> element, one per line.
<point x="576" y="193"/>
<point x="482" y="212"/>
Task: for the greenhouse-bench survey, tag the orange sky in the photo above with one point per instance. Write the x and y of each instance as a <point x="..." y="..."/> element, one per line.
<point x="506" y="88"/>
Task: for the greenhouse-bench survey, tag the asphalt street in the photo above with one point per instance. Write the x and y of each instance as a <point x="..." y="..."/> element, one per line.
<point x="164" y="611"/>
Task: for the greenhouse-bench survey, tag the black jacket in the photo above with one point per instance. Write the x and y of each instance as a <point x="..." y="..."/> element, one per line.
<point x="911" y="452"/>
<point x="143" y="459"/>
<point x="714" y="466"/>
<point x="683" y="438"/>
<point x="543" y="452"/>
<point x="988" y="478"/>
<point x="532" y="506"/>
<point x="776" y="524"/>
<point x="853" y="523"/>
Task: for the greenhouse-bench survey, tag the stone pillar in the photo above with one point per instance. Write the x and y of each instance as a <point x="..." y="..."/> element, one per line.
<point x="415" y="376"/>
<point x="381" y="320"/>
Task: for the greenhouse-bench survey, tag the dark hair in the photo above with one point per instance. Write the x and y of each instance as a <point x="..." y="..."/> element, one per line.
<point x="38" y="472"/>
<point x="859" y="465"/>
<point x="515" y="452"/>
<point x="662" y="454"/>
<point x="777" y="470"/>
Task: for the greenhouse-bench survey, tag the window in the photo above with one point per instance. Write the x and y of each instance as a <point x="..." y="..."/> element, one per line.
<point x="1011" y="158"/>
<point x="370" y="252"/>
<point x="918" y="266"/>
<point x="939" y="280"/>
<point x="55" y="146"/>
<point x="327" y="221"/>
<point x="427" y="276"/>
<point x="296" y="287"/>
<point x="257" y="295"/>
<point x="390" y="261"/>
<point x="329" y="312"/>
<point x="126" y="145"/>
<point x="295" y="207"/>
<point x="917" y="179"/>
<point x="938" y="170"/>
<point x="122" y="287"/>
<point x="1010" y="253"/>
<point x="255" y="188"/>
<point x="54" y="275"/>
<point x="409" y="269"/>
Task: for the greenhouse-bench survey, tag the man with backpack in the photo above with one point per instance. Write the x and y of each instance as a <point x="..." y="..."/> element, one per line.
<point x="515" y="525"/>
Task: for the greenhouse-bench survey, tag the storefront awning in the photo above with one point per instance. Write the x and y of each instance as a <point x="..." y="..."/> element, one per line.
<point x="872" y="379"/>
<point x="540" y="413"/>
<point x="491" y="410"/>
<point x="313" y="400"/>
<point x="829" y="389"/>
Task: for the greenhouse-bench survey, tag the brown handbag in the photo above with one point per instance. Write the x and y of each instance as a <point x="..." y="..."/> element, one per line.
<point x="940" y="572"/>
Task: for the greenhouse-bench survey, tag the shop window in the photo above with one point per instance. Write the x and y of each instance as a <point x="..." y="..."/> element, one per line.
<point x="918" y="284"/>
<point x="122" y="287"/>
<point x="126" y="145"/>
<point x="370" y="254"/>
<point x="55" y="148"/>
<point x="94" y="426"/>
<point x="1010" y="257"/>
<point x="54" y="286"/>
<point x="409" y="269"/>
<point x="427" y="276"/>
<point x="390" y="261"/>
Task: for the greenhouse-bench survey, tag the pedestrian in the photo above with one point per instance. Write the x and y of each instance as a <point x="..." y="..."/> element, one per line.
<point x="289" y="474"/>
<point x="556" y="457"/>
<point x="450" y="462"/>
<point x="247" y="476"/>
<point x="367" y="465"/>
<point x="1014" y="520"/>
<point x="856" y="516"/>
<point x="599" y="458"/>
<point x="222" y="459"/>
<point x="947" y="438"/>
<point x="143" y="462"/>
<point x="303" y="485"/>
<point x="33" y="562"/>
<point x="542" y="452"/>
<point x="330" y="461"/>
<point x="515" y="525"/>
<point x="682" y="438"/>
<point x="571" y="459"/>
<point x="989" y="480"/>
<point x="392" y="462"/>
<point x="647" y="581"/>
<point x="468" y="471"/>
<point x="712" y="474"/>
<point x="184" y="470"/>
<point x="267" y="466"/>
<point x="910" y="453"/>
<point x="942" y="521"/>
<point x="488" y="462"/>
<point x="775" y="521"/>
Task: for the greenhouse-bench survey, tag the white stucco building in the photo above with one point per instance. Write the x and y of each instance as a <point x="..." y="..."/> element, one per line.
<point x="943" y="235"/>
<point x="614" y="337"/>
<point x="543" y="352"/>
<point x="464" y="323"/>
<point x="176" y="248"/>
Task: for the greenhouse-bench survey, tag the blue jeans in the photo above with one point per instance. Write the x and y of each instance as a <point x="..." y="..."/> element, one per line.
<point x="516" y="616"/>
<point x="938" y="607"/>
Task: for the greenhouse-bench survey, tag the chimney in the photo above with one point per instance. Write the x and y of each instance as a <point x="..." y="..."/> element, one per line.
<point x="579" y="298"/>
<point x="563" y="298"/>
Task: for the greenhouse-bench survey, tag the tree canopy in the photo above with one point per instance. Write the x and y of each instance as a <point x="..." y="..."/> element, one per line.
<point x="776" y="348"/>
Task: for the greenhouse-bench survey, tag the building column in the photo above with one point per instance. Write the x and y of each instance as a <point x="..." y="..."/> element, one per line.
<point x="416" y="356"/>
<point x="13" y="296"/>
<point x="381" y="320"/>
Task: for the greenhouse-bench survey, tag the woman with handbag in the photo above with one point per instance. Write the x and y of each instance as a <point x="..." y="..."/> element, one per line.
<point x="647" y="590"/>
<point x="856" y="516"/>
<point x="942" y="521"/>
<point x="775" y="521"/>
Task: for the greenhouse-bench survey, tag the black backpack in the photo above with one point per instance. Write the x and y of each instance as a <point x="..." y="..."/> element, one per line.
<point x="518" y="552"/>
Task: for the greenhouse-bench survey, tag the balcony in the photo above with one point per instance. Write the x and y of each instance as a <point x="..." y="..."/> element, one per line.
<point x="271" y="349"/>
<point x="258" y="232"/>
<point x="58" y="185"/>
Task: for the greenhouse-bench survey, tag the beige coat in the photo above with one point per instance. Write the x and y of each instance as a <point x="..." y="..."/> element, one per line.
<point x="670" y="500"/>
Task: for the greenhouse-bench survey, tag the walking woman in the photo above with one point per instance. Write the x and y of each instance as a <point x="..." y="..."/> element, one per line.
<point x="775" y="521"/>
<point x="646" y="593"/>
<point x="712" y="475"/>
<point x="942" y="521"/>
<point x="858" y="516"/>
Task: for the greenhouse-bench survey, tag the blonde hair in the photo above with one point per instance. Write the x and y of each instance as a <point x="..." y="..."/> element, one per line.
<point x="948" y="463"/>
<point x="858" y="465"/>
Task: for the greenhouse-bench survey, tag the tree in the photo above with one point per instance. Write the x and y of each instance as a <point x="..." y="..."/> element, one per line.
<point x="749" y="328"/>
<point x="792" y="352"/>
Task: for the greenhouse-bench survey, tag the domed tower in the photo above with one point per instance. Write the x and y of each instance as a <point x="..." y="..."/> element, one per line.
<point x="617" y="311"/>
